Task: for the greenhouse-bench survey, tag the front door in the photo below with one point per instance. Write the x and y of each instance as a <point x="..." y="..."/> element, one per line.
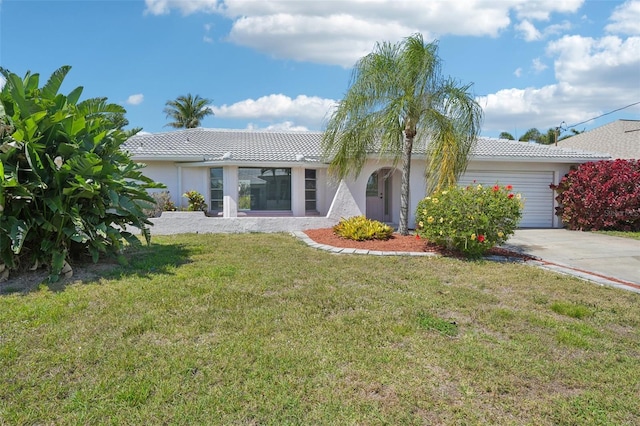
<point x="379" y="196"/>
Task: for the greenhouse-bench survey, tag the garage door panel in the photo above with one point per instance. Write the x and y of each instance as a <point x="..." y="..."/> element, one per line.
<point x="538" y="209"/>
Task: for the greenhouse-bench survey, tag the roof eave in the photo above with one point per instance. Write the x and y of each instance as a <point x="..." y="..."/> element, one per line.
<point x="168" y="157"/>
<point x="251" y="163"/>
<point x="517" y="159"/>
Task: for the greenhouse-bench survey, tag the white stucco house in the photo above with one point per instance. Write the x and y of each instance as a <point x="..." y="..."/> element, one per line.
<point x="265" y="181"/>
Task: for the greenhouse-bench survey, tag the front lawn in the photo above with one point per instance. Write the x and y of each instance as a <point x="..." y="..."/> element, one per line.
<point x="261" y="329"/>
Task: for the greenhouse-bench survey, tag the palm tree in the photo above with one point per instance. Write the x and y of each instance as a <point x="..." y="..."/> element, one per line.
<point x="532" y="134"/>
<point x="506" y="135"/>
<point x="187" y="111"/>
<point x="398" y="97"/>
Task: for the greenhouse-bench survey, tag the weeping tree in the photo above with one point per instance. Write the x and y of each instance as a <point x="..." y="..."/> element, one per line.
<point x="66" y="188"/>
<point x="398" y="99"/>
<point x="187" y="111"/>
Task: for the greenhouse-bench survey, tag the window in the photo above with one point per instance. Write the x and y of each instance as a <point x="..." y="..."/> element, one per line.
<point x="310" y="190"/>
<point x="216" y="189"/>
<point x="372" y="185"/>
<point x="264" y="188"/>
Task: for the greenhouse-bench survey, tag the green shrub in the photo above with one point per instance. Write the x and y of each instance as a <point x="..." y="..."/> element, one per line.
<point x="470" y="220"/>
<point x="66" y="188"/>
<point x="359" y="228"/>
<point x="163" y="203"/>
<point x="196" y="201"/>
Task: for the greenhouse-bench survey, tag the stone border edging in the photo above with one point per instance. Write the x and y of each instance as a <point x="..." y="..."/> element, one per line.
<point x="540" y="263"/>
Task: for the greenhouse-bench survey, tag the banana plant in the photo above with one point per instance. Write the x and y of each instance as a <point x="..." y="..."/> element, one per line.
<point x="66" y="187"/>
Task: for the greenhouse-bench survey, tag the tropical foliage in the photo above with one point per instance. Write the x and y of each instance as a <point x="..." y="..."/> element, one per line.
<point x="196" y="201"/>
<point x="470" y="220"/>
<point x="359" y="228"/>
<point x="535" y="135"/>
<point x="66" y="188"/>
<point x="187" y="111"/>
<point x="399" y="98"/>
<point x="603" y="195"/>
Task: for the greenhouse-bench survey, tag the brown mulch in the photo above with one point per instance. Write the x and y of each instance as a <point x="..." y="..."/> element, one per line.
<point x="397" y="242"/>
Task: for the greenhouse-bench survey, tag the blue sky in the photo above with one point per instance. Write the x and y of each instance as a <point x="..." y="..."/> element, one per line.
<point x="276" y="64"/>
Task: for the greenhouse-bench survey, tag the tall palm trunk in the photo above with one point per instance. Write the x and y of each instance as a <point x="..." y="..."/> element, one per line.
<point x="403" y="226"/>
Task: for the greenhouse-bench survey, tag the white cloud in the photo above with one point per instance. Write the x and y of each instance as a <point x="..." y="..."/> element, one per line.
<point x="528" y="31"/>
<point x="186" y="7"/>
<point x="593" y="76"/>
<point x="207" y="30"/>
<point x="607" y="63"/>
<point x="518" y="72"/>
<point x="307" y="111"/>
<point x="523" y="109"/>
<point x="625" y="19"/>
<point x="286" y="126"/>
<point x="542" y="9"/>
<point x="333" y="32"/>
<point x="136" y="99"/>
<point x="557" y="28"/>
<point x="538" y="65"/>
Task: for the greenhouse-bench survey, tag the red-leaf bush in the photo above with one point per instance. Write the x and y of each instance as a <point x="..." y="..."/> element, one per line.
<point x="603" y="195"/>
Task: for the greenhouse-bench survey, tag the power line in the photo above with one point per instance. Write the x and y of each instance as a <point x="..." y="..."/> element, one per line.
<point x="602" y="115"/>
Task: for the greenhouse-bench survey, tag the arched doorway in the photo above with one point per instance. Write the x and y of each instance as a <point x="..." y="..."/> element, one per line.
<point x="379" y="195"/>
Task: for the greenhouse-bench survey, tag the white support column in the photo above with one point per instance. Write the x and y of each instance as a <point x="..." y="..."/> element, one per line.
<point x="179" y="196"/>
<point x="230" y="191"/>
<point x="297" y="192"/>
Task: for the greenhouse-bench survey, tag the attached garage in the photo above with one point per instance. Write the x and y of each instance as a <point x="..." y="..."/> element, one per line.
<point x="533" y="186"/>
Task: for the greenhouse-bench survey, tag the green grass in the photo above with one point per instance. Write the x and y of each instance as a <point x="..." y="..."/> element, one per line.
<point x="261" y="329"/>
<point x="633" y="235"/>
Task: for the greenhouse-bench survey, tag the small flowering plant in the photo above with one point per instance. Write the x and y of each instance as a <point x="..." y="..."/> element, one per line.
<point x="470" y="219"/>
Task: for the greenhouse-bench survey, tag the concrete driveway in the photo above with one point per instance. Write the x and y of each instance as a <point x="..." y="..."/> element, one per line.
<point x="600" y="258"/>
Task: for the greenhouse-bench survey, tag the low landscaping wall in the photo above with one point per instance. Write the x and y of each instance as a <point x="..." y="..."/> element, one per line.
<point x="343" y="206"/>
<point x="196" y="222"/>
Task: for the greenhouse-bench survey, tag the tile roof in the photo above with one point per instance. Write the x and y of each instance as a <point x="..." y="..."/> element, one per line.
<point x="621" y="139"/>
<point x="217" y="144"/>
<point x="268" y="146"/>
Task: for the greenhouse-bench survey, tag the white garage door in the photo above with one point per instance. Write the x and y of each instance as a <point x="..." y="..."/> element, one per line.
<point x="534" y="186"/>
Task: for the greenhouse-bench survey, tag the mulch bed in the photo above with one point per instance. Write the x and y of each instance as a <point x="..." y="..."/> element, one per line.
<point x="408" y="243"/>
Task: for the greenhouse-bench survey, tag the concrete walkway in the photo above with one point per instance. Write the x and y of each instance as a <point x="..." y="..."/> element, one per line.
<point x="607" y="260"/>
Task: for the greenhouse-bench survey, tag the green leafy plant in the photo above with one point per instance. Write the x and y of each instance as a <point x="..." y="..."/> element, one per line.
<point x="196" y="201"/>
<point x="66" y="188"/>
<point x="359" y="228"/>
<point x="469" y="219"/>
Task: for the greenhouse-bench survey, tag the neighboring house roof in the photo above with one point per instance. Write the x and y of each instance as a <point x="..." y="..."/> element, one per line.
<point x="249" y="146"/>
<point x="621" y="139"/>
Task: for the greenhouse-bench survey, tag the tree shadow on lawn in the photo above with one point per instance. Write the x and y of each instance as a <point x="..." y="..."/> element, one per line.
<point x="143" y="261"/>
